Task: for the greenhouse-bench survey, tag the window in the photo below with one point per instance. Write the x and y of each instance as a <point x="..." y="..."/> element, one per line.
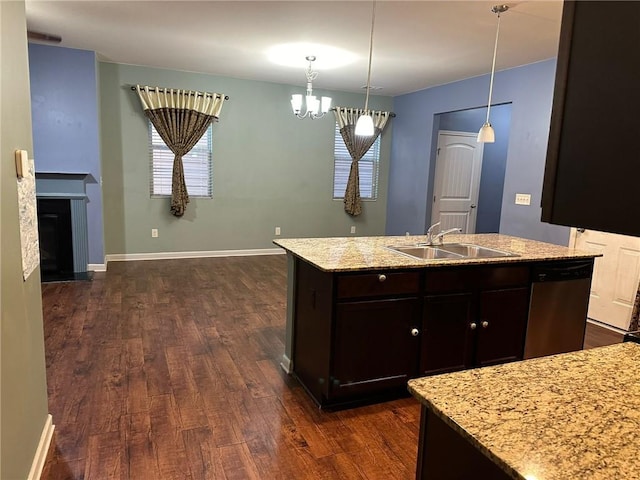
<point x="368" y="167"/>
<point x="198" y="171"/>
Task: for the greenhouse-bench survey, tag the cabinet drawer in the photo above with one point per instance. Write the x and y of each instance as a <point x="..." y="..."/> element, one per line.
<point x="378" y="284"/>
<point x="459" y="279"/>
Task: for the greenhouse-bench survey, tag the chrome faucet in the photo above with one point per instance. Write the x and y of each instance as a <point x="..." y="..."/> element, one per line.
<point x="439" y="237"/>
<point x="429" y="233"/>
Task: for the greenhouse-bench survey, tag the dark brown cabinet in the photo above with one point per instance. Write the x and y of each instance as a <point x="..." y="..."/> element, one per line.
<point x="482" y="325"/>
<point x="376" y="345"/>
<point x="592" y="165"/>
<point x="361" y="335"/>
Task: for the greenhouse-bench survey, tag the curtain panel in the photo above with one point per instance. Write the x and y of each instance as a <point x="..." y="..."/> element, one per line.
<point x="357" y="147"/>
<point x="181" y="117"/>
<point x="635" y="315"/>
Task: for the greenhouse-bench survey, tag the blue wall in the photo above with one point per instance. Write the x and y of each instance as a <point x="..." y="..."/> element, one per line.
<point x="494" y="160"/>
<point x="64" y="106"/>
<point x="529" y="89"/>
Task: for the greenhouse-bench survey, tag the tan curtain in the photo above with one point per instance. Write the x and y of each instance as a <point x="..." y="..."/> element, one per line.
<point x="635" y="316"/>
<point x="181" y="117"/>
<point x="357" y="147"/>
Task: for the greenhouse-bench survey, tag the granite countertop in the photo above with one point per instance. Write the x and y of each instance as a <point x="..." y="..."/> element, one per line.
<point x="569" y="416"/>
<point x="366" y="253"/>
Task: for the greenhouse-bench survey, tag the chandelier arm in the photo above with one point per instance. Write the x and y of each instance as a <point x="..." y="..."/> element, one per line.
<point x="493" y="67"/>
<point x="373" y="20"/>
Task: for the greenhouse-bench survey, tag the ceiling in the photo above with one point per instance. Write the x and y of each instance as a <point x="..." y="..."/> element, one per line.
<point x="417" y="44"/>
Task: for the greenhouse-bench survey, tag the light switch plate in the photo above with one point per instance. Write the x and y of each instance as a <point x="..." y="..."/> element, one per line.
<point x="523" y="199"/>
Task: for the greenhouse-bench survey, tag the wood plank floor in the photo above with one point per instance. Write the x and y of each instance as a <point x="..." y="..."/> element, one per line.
<point x="170" y="370"/>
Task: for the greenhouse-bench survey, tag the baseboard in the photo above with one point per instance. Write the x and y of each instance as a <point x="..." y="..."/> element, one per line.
<point x="608" y="327"/>
<point x="126" y="257"/>
<point x="286" y="364"/>
<point x="97" y="267"/>
<point x="43" y="449"/>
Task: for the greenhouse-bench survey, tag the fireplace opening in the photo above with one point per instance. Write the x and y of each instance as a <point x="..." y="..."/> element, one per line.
<point x="56" y="239"/>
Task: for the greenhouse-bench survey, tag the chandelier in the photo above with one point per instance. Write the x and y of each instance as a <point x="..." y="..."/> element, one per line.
<point x="314" y="108"/>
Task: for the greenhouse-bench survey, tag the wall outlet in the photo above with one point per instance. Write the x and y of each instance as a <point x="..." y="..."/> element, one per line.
<point x="353" y="229"/>
<point x="523" y="199"/>
<point x="277" y="230"/>
<point x="154" y="232"/>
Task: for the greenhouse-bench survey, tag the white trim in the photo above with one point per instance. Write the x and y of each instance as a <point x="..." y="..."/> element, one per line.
<point x="97" y="267"/>
<point x="286" y="364"/>
<point x="125" y="257"/>
<point x="43" y="448"/>
<point x="607" y="326"/>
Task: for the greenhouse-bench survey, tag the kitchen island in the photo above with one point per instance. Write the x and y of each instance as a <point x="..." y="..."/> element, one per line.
<point x="362" y="318"/>
<point x="569" y="416"/>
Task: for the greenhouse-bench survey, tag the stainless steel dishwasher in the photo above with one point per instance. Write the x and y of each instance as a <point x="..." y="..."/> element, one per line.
<point x="558" y="309"/>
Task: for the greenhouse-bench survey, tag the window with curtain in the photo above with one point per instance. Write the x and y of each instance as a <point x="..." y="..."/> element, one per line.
<point x="198" y="166"/>
<point x="368" y="168"/>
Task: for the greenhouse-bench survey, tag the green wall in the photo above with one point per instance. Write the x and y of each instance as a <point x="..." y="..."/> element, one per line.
<point x="270" y="168"/>
<point x="23" y="408"/>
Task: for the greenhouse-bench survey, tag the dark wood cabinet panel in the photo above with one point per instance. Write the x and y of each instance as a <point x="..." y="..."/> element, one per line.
<point x="502" y="326"/>
<point x="447" y="337"/>
<point x="376" y="345"/>
<point x="378" y="284"/>
<point x="592" y="159"/>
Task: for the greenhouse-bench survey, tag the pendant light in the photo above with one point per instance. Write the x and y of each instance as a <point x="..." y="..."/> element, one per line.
<point x="486" y="133"/>
<point x="364" y="125"/>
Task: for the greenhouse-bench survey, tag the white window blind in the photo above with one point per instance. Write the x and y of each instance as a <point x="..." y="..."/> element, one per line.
<point x="198" y="168"/>
<point x="367" y="166"/>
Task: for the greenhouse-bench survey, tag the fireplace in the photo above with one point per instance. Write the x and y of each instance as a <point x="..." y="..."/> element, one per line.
<point x="62" y="226"/>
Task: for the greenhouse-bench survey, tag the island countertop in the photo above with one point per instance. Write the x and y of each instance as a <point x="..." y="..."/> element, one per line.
<point x="567" y="416"/>
<point x="366" y="253"/>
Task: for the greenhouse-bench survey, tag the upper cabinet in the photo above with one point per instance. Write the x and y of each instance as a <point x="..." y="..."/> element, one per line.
<point x="592" y="174"/>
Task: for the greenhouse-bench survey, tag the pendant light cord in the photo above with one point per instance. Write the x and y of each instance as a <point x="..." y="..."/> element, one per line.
<point x="493" y="67"/>
<point x="373" y="20"/>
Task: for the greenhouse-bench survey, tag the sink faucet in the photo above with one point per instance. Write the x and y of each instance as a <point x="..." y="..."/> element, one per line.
<point x="429" y="233"/>
<point x="439" y="237"/>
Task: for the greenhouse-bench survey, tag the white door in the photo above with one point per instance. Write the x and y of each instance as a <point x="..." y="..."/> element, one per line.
<point x="615" y="276"/>
<point x="457" y="181"/>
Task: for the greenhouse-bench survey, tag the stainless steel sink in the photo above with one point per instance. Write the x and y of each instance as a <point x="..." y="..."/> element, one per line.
<point x="450" y="251"/>
<point x="425" y="252"/>
<point x="469" y="250"/>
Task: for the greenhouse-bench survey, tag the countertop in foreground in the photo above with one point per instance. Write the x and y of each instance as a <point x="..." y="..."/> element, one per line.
<point x="569" y="416"/>
<point x="366" y="253"/>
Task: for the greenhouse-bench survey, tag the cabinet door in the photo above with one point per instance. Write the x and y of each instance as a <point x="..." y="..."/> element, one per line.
<point x="501" y="325"/>
<point x="374" y="346"/>
<point x="447" y="343"/>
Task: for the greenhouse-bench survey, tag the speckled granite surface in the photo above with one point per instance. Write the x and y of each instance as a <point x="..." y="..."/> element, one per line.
<point x="569" y="416"/>
<point x="365" y="253"/>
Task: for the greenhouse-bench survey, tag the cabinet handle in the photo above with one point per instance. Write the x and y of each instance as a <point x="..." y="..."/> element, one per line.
<point x="382" y="277"/>
<point x="473" y="326"/>
<point x="415" y="332"/>
<point x="485" y="324"/>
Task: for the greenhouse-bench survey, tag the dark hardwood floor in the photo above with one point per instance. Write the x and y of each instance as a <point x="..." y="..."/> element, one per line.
<point x="170" y="370"/>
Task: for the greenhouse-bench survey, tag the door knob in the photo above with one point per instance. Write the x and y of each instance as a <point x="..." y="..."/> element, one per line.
<point x="485" y="324"/>
<point x="473" y="205"/>
<point x="382" y="277"/>
<point x="415" y="332"/>
<point x="473" y="326"/>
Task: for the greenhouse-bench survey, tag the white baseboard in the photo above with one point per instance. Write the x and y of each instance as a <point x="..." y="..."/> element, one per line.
<point x="97" y="267"/>
<point x="43" y="449"/>
<point x="286" y="364"/>
<point x="607" y="326"/>
<point x="125" y="257"/>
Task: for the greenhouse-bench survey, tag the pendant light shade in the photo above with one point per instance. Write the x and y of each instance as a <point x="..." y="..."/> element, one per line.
<point x="486" y="133"/>
<point x="364" y="125"/>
